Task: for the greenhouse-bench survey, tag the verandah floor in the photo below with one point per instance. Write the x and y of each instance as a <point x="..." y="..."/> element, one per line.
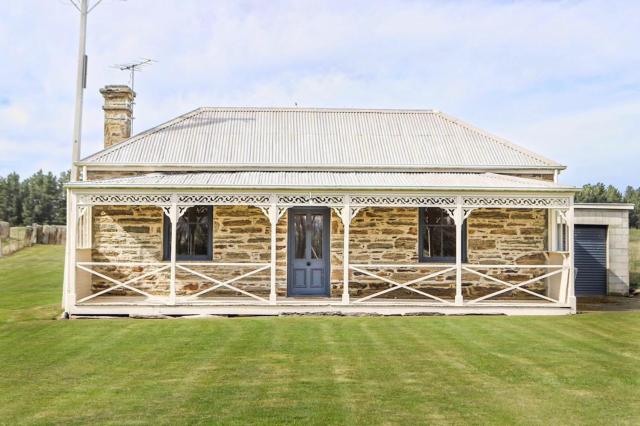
<point x="140" y="305"/>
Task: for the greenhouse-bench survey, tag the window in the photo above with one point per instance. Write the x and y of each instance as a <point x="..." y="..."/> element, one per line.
<point x="193" y="234"/>
<point x="437" y="233"/>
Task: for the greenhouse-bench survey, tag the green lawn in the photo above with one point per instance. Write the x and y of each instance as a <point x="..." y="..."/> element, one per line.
<point x="582" y="369"/>
<point x="634" y="257"/>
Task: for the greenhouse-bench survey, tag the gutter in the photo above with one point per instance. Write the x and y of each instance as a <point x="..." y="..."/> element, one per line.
<point x="604" y="206"/>
<point x="96" y="184"/>
<point x="93" y="166"/>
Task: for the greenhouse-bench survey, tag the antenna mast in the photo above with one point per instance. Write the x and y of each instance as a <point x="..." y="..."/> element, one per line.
<point x="133" y="67"/>
<point x="81" y="81"/>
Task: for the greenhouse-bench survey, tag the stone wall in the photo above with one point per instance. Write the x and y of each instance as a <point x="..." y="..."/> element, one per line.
<point x="135" y="234"/>
<point x="48" y="234"/>
<point x="378" y="235"/>
<point x="241" y="235"/>
<point x="506" y="236"/>
<point x="128" y="234"/>
<point x="15" y="238"/>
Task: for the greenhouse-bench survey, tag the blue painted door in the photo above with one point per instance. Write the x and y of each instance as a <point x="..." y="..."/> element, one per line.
<point x="308" y="252"/>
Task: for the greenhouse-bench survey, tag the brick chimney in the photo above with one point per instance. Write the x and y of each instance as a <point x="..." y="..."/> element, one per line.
<point x="118" y="113"/>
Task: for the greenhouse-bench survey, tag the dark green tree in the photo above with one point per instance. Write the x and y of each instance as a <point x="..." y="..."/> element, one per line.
<point x="10" y="197"/>
<point x="40" y="193"/>
<point x="633" y="196"/>
<point x="599" y="193"/>
<point x="3" y="184"/>
<point x="60" y="209"/>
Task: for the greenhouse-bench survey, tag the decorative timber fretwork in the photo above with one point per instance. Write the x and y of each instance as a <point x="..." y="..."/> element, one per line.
<point x="402" y="201"/>
<point x="467" y="202"/>
<point x="310" y="199"/>
<point x="223" y="199"/>
<point x="124" y="199"/>
<point x="515" y="202"/>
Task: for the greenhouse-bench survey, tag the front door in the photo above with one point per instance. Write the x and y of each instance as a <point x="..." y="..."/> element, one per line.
<point x="308" y="252"/>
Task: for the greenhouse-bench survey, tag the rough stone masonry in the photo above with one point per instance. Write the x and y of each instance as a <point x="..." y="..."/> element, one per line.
<point x="378" y="235"/>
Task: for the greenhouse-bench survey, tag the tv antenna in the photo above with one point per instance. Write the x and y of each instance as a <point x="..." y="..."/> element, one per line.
<point x="134" y="67"/>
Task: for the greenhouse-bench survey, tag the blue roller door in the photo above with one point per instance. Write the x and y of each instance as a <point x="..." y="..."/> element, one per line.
<point x="591" y="260"/>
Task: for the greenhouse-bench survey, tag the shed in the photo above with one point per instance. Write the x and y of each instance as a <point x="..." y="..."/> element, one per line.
<point x="602" y="249"/>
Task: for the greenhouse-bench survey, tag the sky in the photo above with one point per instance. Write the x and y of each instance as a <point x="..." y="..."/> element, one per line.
<point x="561" y="78"/>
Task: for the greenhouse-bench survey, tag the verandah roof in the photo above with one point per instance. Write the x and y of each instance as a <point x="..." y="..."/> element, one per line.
<point x="329" y="180"/>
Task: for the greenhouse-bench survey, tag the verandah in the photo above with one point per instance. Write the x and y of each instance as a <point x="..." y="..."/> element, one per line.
<point x="557" y="273"/>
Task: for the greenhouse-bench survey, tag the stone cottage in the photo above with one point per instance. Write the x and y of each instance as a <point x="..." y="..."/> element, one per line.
<point x="263" y="211"/>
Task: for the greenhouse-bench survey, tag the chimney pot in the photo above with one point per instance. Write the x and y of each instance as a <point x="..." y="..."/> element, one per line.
<point x="118" y="113"/>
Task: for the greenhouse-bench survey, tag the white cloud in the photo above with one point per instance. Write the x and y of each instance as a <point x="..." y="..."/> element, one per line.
<point x="14" y="115"/>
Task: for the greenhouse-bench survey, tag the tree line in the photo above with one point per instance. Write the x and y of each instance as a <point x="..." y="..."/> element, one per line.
<point x="599" y="193"/>
<point x="40" y="198"/>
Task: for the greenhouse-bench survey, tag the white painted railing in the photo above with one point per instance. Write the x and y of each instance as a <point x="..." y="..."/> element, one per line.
<point x="159" y="267"/>
<point x="475" y="269"/>
<point x="482" y="271"/>
<point x="258" y="267"/>
<point x="552" y="270"/>
<point x="87" y="267"/>
<point x="395" y="285"/>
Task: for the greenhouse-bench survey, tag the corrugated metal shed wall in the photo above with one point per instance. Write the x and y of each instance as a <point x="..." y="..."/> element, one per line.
<point x="591" y="260"/>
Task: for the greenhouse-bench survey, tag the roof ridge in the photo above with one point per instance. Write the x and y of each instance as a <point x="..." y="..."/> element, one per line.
<point x="321" y="109"/>
<point x="132" y="139"/>
<point x="503" y="141"/>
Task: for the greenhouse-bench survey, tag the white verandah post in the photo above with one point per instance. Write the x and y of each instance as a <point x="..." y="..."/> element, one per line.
<point x="346" y="223"/>
<point x="459" y="219"/>
<point x="174" y="222"/>
<point x="72" y="228"/>
<point x="571" y="294"/>
<point x="273" y="219"/>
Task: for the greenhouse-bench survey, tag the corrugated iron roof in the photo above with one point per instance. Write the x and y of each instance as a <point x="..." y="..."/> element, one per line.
<point x="315" y="139"/>
<point x="325" y="180"/>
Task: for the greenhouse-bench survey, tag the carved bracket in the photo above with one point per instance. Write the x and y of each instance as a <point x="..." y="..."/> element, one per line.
<point x="167" y="211"/>
<point x="265" y="211"/>
<point x="355" y="211"/>
<point x="451" y="213"/>
<point x="563" y="215"/>
<point x="82" y="210"/>
<point x="466" y="212"/>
